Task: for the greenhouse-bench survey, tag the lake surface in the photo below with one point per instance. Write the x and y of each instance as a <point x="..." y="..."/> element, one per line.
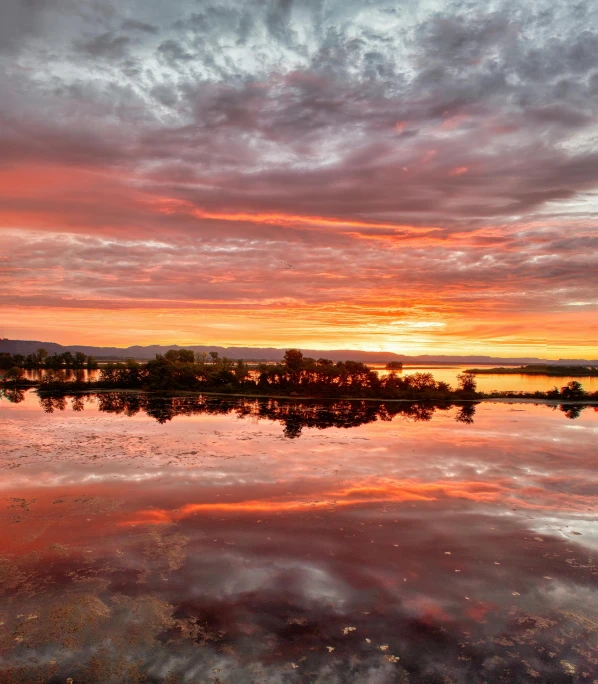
<point x="490" y="382"/>
<point x="194" y="540"/>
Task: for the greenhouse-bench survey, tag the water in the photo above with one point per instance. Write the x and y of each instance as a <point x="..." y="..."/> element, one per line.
<point x="490" y="382"/>
<point x="84" y="374"/>
<point x="212" y="547"/>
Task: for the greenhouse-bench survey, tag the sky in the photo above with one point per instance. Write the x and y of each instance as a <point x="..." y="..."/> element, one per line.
<point x="415" y="177"/>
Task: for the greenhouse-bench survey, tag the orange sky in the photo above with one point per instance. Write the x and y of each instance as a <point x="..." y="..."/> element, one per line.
<point x="171" y="273"/>
<point x="324" y="194"/>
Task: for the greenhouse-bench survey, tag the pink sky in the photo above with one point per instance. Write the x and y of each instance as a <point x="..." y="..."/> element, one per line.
<point x="280" y="175"/>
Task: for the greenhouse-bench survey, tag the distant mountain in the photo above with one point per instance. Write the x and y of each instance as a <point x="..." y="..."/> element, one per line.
<point x="270" y="354"/>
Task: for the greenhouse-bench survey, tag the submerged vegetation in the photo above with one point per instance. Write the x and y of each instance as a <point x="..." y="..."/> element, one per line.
<point x="295" y="376"/>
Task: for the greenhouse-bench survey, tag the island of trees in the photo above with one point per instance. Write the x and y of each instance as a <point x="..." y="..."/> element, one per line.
<point x="540" y="369"/>
<point x="394" y="365"/>
<point x="295" y="376"/>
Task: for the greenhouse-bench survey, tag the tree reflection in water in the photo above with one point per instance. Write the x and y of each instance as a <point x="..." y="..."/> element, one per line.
<point x="295" y="415"/>
<point x="14" y="395"/>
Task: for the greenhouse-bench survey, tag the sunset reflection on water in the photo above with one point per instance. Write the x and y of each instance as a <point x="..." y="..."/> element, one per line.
<point x="214" y="548"/>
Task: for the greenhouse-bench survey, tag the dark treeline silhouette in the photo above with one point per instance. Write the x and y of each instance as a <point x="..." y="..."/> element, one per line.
<point x="182" y="370"/>
<point x="12" y="366"/>
<point x="572" y="391"/>
<point x="539" y="369"/>
<point x="295" y="376"/>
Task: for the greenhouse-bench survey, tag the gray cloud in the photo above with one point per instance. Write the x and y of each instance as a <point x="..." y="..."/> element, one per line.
<point x="458" y="117"/>
<point x="133" y="24"/>
<point x="104" y="46"/>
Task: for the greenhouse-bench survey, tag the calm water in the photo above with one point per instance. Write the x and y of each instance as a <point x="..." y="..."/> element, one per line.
<point x="487" y="383"/>
<point x="261" y="542"/>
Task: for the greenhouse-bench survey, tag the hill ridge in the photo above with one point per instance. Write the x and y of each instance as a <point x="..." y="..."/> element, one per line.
<point x="144" y="352"/>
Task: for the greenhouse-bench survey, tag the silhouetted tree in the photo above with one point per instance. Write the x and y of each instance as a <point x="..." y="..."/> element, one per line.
<point x="186" y="356"/>
<point x="18" y="360"/>
<point x="68" y="359"/>
<point x="466" y="382"/>
<point x="572" y="390"/>
<point x="183" y="355"/>
<point x="14" y="374"/>
<point x="54" y="362"/>
<point x="241" y="371"/>
<point x="79" y="360"/>
<point x="293" y="360"/>
<point x="41" y="355"/>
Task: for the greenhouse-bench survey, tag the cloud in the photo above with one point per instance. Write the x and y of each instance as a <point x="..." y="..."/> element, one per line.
<point x="133" y="24"/>
<point x="466" y="121"/>
<point x="104" y="46"/>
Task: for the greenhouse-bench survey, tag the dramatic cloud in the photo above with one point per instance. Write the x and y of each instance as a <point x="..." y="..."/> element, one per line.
<point x="331" y="167"/>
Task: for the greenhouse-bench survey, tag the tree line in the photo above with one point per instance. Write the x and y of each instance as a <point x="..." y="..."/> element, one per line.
<point x="14" y="365"/>
<point x="296" y="375"/>
<point x="539" y="369"/>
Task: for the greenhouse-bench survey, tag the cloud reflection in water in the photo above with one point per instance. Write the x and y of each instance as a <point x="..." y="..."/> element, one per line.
<point x="213" y="549"/>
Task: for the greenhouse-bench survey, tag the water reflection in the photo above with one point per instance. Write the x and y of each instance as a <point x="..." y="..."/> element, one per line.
<point x="77" y="374"/>
<point x="13" y="395"/>
<point x="211" y="549"/>
<point x="293" y="415"/>
<point x="495" y="382"/>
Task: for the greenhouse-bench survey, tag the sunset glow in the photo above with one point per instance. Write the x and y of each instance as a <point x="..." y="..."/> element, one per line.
<point x="284" y="174"/>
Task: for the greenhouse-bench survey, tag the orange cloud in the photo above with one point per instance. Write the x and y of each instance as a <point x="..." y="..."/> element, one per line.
<point x="290" y="219"/>
<point x="367" y="492"/>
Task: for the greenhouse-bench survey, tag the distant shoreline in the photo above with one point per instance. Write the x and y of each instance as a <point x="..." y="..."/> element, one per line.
<point x="577" y="371"/>
<point x="276" y="354"/>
